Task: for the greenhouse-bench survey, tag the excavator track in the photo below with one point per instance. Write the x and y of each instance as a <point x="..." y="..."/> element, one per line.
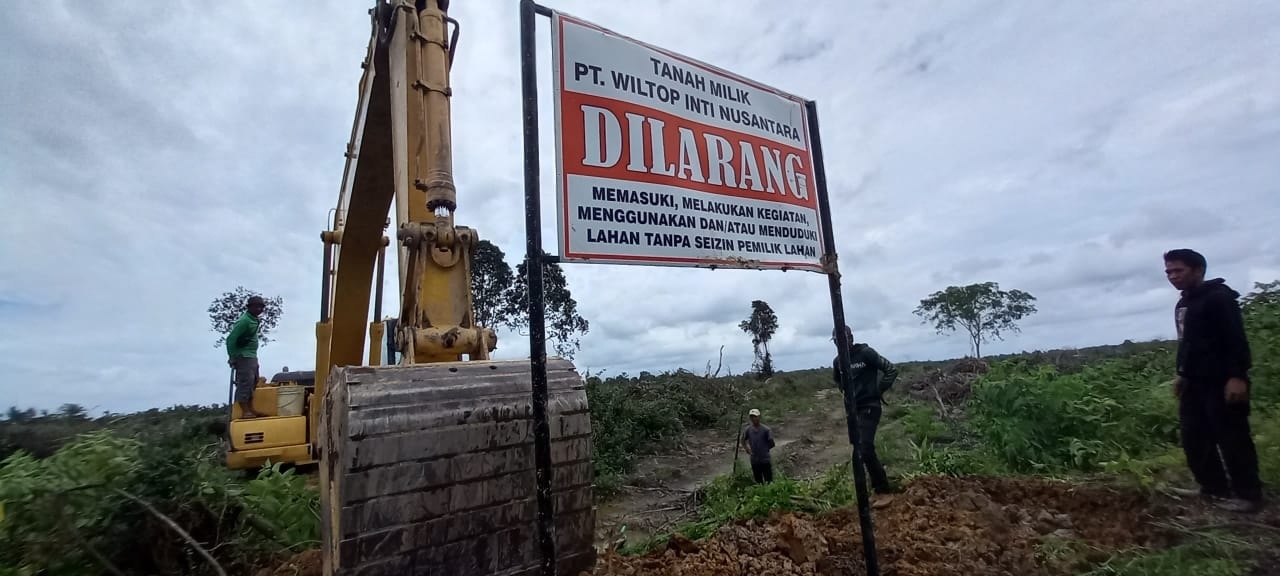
<point x="429" y="469"/>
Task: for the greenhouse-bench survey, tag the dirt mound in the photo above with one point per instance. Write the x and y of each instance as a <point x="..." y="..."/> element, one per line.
<point x="969" y="366"/>
<point x="306" y="563"/>
<point x="950" y="385"/>
<point x="936" y="526"/>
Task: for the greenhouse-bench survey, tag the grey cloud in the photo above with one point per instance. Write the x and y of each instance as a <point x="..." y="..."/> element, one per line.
<point x="966" y="270"/>
<point x="176" y="151"/>
<point x="803" y="52"/>
<point x="1039" y="258"/>
<point x="917" y="56"/>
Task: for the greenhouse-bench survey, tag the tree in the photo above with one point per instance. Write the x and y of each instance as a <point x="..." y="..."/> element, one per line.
<point x="18" y="415"/>
<point x="1262" y="305"/>
<point x="1261" y="311"/>
<point x="761" y="325"/>
<point x="73" y="411"/>
<point x="983" y="310"/>
<point x="563" y="321"/>
<point x="226" y="309"/>
<point x="491" y="286"/>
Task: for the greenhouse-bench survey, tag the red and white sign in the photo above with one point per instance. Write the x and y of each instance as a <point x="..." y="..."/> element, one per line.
<point x="665" y="160"/>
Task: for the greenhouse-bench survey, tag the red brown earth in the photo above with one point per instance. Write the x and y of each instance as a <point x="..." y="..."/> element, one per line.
<point x="936" y="526"/>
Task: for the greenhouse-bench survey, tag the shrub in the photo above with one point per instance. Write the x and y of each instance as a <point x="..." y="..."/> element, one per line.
<point x="1036" y="419"/>
<point x="635" y="416"/>
<point x="102" y="503"/>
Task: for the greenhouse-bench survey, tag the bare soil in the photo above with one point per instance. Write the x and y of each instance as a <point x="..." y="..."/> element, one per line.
<point x="305" y="563"/>
<point x="936" y="526"/>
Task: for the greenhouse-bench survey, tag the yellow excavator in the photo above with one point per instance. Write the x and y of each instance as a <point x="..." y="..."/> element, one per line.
<point x="427" y="461"/>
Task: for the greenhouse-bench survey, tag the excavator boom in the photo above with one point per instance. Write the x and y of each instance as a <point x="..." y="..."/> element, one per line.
<point x="427" y="466"/>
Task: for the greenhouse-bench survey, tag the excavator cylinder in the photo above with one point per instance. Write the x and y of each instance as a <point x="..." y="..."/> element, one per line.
<point x="437" y="161"/>
<point x="429" y="469"/>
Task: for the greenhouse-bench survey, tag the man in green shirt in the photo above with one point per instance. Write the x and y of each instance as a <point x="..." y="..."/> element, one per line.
<point x="242" y="354"/>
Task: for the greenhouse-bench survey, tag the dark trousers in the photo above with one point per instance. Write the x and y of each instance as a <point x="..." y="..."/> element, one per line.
<point x="868" y="422"/>
<point x="762" y="472"/>
<point x="246" y="379"/>
<point x="1215" y="433"/>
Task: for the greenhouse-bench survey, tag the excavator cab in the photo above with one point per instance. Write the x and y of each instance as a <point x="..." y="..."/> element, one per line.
<point x="426" y="460"/>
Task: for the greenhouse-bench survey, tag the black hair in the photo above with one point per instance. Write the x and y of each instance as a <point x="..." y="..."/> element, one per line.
<point x="255" y="299"/>
<point x="1187" y="256"/>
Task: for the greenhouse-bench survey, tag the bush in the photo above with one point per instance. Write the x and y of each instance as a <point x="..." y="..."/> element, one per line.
<point x="1117" y="415"/>
<point x="632" y="417"/>
<point x="101" y="504"/>
<point x="1035" y="419"/>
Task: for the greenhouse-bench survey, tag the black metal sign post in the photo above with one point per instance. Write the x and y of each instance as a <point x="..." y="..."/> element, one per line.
<point x="842" y="342"/>
<point x="533" y="266"/>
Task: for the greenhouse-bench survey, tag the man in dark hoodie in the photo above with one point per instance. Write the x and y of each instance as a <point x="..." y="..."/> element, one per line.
<point x="1212" y="385"/>
<point x="864" y="396"/>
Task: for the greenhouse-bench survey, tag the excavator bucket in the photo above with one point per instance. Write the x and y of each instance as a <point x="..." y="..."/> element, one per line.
<point x="429" y="469"/>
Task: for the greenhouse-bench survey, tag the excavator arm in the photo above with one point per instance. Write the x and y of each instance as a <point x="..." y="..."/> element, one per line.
<point x="427" y="466"/>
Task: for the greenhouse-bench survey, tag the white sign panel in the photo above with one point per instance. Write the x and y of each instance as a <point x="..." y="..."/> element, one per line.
<point x="665" y="160"/>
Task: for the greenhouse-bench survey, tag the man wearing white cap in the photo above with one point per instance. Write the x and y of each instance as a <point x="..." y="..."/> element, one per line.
<point x="758" y="440"/>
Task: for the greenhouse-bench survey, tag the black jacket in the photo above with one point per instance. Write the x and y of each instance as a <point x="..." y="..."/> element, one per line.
<point x="1212" y="346"/>
<point x="865" y="362"/>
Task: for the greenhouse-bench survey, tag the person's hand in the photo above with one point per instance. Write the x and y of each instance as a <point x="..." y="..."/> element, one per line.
<point x="1237" y="391"/>
<point x="1178" y="384"/>
<point x="231" y="362"/>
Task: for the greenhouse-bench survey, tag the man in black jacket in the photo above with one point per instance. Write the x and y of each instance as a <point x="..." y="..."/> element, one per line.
<point x="1212" y="384"/>
<point x="864" y="397"/>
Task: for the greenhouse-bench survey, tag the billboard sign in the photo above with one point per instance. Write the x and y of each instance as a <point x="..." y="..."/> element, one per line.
<point x="665" y="160"/>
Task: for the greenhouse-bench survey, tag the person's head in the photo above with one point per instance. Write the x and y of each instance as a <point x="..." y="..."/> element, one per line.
<point x="755" y="416"/>
<point x="847" y="332"/>
<point x="256" y="305"/>
<point x="1184" y="268"/>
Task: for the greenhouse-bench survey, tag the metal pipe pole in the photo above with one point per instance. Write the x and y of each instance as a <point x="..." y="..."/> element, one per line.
<point x="533" y="267"/>
<point x="842" y="343"/>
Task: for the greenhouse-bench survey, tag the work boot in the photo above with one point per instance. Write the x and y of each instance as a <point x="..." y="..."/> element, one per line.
<point x="1195" y="493"/>
<point x="1241" y="505"/>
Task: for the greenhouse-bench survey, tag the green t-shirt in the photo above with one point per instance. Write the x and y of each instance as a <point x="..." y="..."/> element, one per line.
<point x="242" y="342"/>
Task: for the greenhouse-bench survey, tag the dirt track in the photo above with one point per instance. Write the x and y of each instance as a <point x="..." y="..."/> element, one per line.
<point x="659" y="496"/>
<point x="937" y="526"/>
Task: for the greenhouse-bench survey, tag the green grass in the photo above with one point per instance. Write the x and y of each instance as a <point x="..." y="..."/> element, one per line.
<point x="728" y="498"/>
<point x="1215" y="554"/>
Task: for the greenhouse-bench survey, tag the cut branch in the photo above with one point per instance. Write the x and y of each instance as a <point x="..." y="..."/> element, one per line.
<point x="176" y="528"/>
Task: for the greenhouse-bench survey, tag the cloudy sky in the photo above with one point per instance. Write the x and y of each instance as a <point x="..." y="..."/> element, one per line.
<point x="155" y="154"/>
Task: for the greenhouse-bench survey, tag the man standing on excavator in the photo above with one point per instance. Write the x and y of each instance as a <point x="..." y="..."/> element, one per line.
<point x="864" y="396"/>
<point x="242" y="354"/>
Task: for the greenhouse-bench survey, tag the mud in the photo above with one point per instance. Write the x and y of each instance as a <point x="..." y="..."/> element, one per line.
<point x="936" y="526"/>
